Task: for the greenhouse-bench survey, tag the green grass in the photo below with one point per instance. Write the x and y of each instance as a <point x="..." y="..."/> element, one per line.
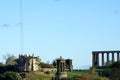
<point x="76" y="73"/>
<point x="38" y="76"/>
<point x="43" y="76"/>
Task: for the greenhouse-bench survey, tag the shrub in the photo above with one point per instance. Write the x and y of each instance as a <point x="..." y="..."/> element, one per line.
<point x="47" y="72"/>
<point x="9" y="75"/>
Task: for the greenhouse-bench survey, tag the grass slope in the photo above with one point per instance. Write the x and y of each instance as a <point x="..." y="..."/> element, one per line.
<point x="43" y="76"/>
<point x="76" y="73"/>
<point x="38" y="76"/>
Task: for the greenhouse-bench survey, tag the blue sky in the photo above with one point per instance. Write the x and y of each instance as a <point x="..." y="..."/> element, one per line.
<point x="53" y="28"/>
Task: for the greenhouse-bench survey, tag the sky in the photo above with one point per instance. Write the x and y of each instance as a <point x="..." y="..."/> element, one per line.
<point x="53" y="28"/>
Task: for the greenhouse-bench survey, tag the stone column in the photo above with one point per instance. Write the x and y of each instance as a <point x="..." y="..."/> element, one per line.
<point x="93" y="59"/>
<point x="112" y="57"/>
<point x="97" y="58"/>
<point x="63" y="67"/>
<point x="118" y="57"/>
<point x="107" y="57"/>
<point x="102" y="59"/>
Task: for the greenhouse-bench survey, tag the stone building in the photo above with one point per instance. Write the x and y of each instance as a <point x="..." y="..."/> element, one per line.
<point x="28" y="63"/>
<point x="69" y="65"/>
<point x="102" y="58"/>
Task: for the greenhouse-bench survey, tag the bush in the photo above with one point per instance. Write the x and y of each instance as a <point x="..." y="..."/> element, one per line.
<point x="10" y="76"/>
<point x="90" y="75"/>
<point x="64" y="79"/>
<point x="47" y="72"/>
<point x="115" y="71"/>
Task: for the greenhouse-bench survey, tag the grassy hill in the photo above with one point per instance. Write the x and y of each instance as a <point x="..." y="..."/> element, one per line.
<point x="38" y="76"/>
<point x="44" y="76"/>
<point x="76" y="73"/>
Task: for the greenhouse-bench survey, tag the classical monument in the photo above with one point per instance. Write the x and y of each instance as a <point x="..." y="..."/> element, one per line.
<point x="61" y="66"/>
<point x="96" y="57"/>
<point x="28" y="63"/>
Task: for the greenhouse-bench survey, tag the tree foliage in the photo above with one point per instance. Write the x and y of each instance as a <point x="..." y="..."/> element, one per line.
<point x="11" y="60"/>
<point x="116" y="65"/>
<point x="115" y="71"/>
<point x="1" y="65"/>
<point x="54" y="63"/>
<point x="45" y="65"/>
<point x="9" y="75"/>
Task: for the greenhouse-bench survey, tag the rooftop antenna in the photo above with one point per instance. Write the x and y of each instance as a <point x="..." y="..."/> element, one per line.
<point x="21" y="27"/>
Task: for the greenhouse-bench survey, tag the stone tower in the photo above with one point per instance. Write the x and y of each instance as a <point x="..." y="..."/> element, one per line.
<point x="61" y="65"/>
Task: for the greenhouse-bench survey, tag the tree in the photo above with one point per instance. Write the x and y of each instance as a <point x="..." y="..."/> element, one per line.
<point x="1" y="65"/>
<point x="45" y="65"/>
<point x="10" y="76"/>
<point x="115" y="71"/>
<point x="10" y="59"/>
<point x="54" y="63"/>
<point x="6" y="56"/>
